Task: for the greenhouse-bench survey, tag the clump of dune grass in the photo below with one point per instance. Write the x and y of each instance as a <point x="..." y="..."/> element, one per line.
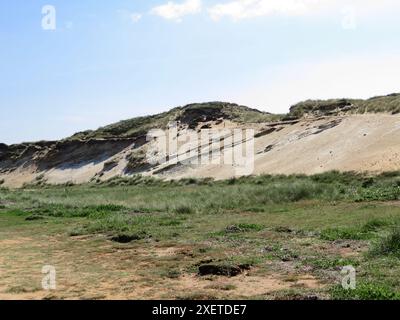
<point x="388" y="246"/>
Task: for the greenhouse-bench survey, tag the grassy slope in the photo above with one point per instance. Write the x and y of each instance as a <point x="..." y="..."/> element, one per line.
<point x="389" y="104"/>
<point x="278" y="224"/>
<point x="141" y="125"/>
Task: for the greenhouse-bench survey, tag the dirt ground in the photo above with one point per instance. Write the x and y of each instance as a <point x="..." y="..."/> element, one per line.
<point x="91" y="267"/>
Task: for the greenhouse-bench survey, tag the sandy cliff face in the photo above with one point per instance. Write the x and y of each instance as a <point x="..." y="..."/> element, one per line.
<point x="57" y="162"/>
<point x="310" y="144"/>
<point x="345" y="143"/>
<point x="354" y="142"/>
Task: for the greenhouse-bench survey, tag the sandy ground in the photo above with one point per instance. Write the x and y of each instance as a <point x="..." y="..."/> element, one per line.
<point x="90" y="268"/>
<point x="368" y="142"/>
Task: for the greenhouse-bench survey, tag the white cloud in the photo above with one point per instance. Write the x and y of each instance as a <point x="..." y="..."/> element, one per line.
<point x="176" y="11"/>
<point x="242" y="9"/>
<point x="245" y="9"/>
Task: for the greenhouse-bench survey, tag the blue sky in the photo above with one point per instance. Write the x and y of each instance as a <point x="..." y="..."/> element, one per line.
<point x="112" y="60"/>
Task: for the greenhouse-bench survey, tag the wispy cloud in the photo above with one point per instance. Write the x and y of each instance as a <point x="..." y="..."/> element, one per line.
<point x="176" y="11"/>
<point x="237" y="10"/>
<point x="246" y="9"/>
<point x="242" y="9"/>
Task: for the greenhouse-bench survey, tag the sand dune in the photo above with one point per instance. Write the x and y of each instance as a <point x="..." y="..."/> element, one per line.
<point x="368" y="142"/>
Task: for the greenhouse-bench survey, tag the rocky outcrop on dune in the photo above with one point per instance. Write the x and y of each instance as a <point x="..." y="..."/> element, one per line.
<point x="316" y="136"/>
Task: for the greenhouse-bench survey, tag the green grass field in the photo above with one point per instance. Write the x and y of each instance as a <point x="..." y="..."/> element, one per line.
<point x="141" y="238"/>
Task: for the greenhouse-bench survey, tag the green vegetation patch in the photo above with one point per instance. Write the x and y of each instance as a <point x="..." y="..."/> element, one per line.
<point x="388" y="246"/>
<point x="332" y="234"/>
<point x="365" y="291"/>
